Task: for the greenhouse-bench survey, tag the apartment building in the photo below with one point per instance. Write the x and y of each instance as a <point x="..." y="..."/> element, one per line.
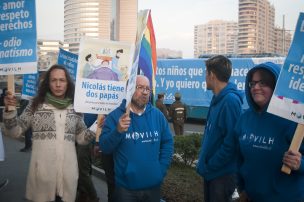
<point x="282" y="41"/>
<point x="106" y="19"/>
<point x="215" y="37"/>
<point x="48" y="52"/>
<point x="166" y="53"/>
<point x="256" y="27"/>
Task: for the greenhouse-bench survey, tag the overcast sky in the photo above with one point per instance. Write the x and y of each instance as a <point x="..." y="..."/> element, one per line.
<point x="173" y="20"/>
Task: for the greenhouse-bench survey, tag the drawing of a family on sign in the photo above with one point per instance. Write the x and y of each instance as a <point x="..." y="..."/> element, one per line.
<point x="102" y="72"/>
<point x="106" y="66"/>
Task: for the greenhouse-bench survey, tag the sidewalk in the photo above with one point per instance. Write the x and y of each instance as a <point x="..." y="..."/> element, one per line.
<point x="15" y="168"/>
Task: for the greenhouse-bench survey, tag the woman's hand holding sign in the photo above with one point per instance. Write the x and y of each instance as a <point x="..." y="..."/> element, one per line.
<point x="292" y="159"/>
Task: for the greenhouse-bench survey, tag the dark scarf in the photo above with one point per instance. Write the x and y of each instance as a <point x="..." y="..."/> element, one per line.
<point x="58" y="103"/>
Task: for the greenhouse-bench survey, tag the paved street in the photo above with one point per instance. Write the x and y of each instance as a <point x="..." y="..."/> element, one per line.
<point x="191" y="126"/>
<point x="15" y="168"/>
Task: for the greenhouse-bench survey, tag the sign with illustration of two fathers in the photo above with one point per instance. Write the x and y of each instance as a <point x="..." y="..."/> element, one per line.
<point x="102" y="72"/>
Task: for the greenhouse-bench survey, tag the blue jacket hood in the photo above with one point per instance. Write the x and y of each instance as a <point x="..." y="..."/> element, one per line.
<point x="217" y="157"/>
<point x="271" y="67"/>
<point x="230" y="88"/>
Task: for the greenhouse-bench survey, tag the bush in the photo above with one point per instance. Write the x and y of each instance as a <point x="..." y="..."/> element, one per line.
<point x="182" y="184"/>
<point x="186" y="148"/>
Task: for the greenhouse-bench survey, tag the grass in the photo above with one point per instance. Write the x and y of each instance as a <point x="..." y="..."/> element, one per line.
<point x="182" y="184"/>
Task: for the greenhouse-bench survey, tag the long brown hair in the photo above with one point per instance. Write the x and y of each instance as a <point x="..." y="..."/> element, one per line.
<point x="44" y="87"/>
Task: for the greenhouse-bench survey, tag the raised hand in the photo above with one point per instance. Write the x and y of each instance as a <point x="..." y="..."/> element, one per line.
<point x="123" y="123"/>
<point x="9" y="100"/>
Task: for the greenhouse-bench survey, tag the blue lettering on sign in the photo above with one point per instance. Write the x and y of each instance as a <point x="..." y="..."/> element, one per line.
<point x="187" y="76"/>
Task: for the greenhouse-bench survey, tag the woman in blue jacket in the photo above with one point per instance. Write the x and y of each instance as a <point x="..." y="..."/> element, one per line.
<point x="264" y="140"/>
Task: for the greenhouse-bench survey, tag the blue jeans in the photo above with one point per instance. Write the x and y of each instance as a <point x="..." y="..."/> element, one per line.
<point x="145" y="195"/>
<point x="220" y="189"/>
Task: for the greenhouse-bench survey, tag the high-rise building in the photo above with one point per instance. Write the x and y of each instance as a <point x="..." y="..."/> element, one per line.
<point x="126" y="12"/>
<point x="48" y="52"/>
<point x="256" y="27"/>
<point x="165" y="53"/>
<point x="215" y="37"/>
<point x="282" y="41"/>
<point x="103" y="19"/>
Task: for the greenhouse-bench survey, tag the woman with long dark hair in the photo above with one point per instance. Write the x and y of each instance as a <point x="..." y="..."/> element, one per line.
<point x="53" y="171"/>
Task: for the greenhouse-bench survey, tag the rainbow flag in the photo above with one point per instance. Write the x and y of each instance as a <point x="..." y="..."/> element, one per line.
<point x="147" y="56"/>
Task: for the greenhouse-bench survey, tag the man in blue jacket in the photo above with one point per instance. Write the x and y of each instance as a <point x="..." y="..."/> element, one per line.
<point x="142" y="146"/>
<point x="218" y="160"/>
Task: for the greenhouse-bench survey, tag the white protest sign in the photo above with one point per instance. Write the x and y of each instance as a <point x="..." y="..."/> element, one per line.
<point x="288" y="97"/>
<point x="287" y="100"/>
<point x="102" y="71"/>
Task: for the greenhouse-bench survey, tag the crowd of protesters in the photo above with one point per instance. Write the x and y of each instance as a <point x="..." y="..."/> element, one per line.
<point x="231" y="156"/>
